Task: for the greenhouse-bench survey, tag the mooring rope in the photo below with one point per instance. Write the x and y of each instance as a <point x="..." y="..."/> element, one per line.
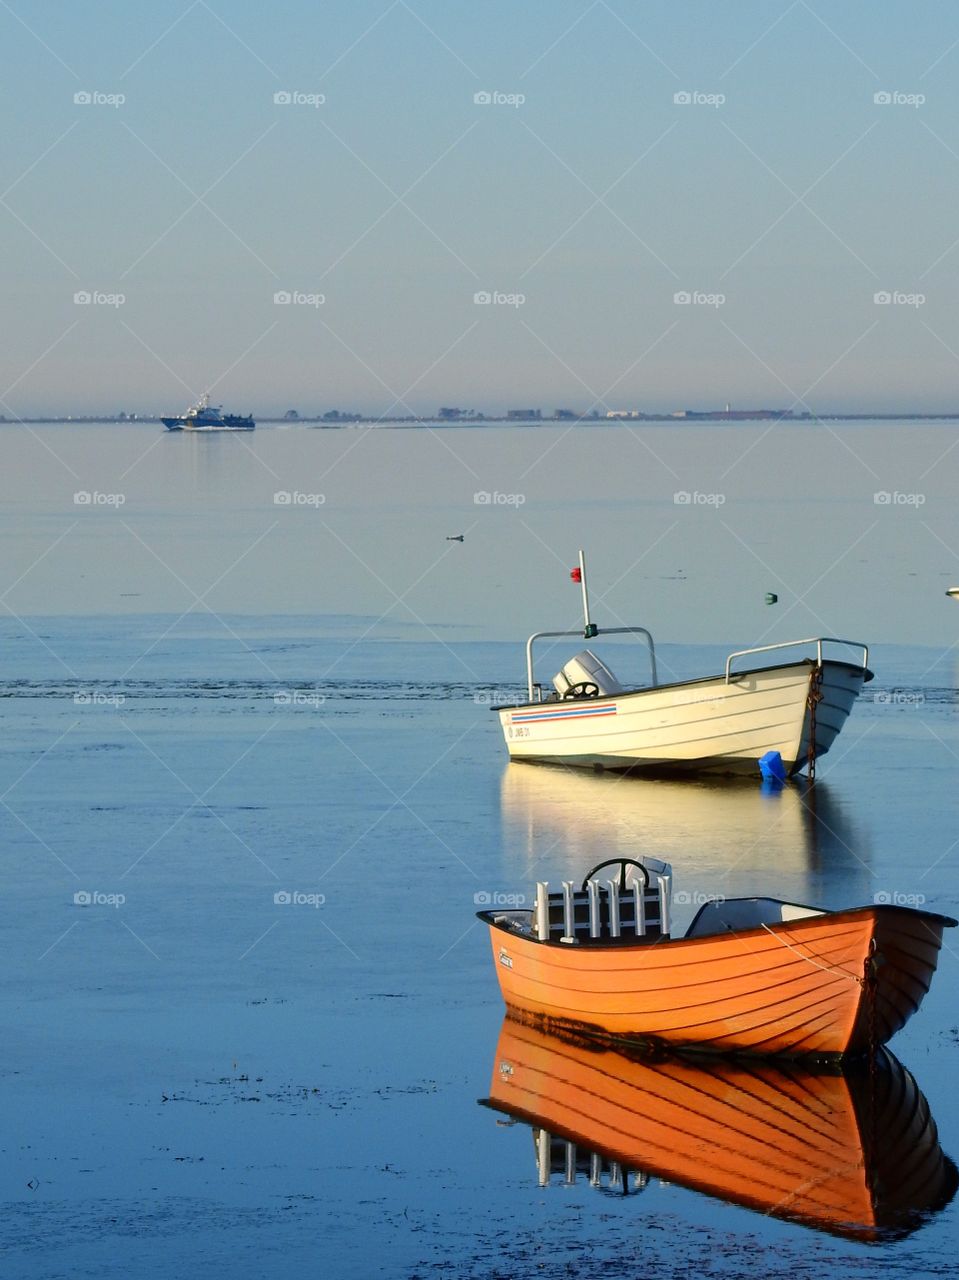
<point x="826" y="968"/>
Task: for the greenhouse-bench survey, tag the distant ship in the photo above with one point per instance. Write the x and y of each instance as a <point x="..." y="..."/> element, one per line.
<point x="204" y="416"/>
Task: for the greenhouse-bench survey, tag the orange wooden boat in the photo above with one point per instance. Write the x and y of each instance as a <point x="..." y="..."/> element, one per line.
<point x="853" y="1153"/>
<point x="751" y="975"/>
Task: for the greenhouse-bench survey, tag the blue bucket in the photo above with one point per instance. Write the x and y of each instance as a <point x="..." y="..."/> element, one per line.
<point x="771" y="767"/>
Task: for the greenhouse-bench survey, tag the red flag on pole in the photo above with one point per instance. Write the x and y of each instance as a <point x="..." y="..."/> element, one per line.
<point x="576" y="574"/>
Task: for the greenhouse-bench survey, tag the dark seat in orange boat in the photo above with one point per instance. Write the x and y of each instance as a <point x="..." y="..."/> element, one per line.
<point x="628" y="931"/>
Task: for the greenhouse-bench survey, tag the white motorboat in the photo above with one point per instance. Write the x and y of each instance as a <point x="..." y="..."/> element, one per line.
<point x="718" y="723"/>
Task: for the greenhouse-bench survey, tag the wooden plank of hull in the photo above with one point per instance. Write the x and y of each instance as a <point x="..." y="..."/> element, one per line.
<point x="778" y="1139"/>
<point x="794" y="989"/>
<point x="702" y="724"/>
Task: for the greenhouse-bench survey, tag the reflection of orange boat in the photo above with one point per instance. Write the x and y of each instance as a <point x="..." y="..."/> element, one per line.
<point x="855" y="1154"/>
<point x="752" y="975"/>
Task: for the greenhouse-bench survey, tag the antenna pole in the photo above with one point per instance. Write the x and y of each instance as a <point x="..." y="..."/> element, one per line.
<point x="589" y="628"/>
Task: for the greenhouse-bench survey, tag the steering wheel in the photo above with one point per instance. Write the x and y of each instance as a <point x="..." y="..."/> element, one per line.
<point x="622" y="863"/>
<point x="585" y="689"/>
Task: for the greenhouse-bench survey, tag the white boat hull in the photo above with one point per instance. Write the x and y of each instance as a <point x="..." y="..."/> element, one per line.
<point x="697" y="725"/>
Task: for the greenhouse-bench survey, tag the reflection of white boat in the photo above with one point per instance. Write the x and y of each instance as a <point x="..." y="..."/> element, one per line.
<point x="204" y="416"/>
<point x="721" y="723"/>
<point x="714" y="827"/>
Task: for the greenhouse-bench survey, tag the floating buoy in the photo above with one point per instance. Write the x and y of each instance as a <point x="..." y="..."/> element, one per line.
<point x="771" y="597"/>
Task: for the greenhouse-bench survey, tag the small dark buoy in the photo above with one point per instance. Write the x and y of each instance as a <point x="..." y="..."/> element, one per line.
<point x="771" y="597"/>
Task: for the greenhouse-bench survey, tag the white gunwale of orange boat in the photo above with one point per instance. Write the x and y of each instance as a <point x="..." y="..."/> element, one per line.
<point x="817" y="915"/>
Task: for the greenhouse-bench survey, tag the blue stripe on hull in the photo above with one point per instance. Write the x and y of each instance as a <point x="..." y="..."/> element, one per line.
<point x="548" y="716"/>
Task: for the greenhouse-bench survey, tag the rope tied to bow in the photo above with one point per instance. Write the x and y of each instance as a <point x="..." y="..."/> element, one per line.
<point x="826" y="968"/>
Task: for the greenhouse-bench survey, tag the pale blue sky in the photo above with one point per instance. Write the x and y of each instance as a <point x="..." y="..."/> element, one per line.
<point x="598" y="199"/>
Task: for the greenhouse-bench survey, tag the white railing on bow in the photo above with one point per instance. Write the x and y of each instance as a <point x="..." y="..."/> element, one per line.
<point x="818" y="641"/>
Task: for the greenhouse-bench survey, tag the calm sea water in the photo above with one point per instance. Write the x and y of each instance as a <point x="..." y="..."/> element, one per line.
<point x="203" y="1077"/>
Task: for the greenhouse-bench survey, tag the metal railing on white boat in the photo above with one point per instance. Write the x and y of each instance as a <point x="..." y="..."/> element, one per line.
<point x="536" y="690"/>
<point x="591" y="631"/>
<point x="818" y="641"/>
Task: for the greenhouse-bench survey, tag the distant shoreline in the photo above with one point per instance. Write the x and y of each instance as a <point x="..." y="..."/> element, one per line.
<point x="489" y="420"/>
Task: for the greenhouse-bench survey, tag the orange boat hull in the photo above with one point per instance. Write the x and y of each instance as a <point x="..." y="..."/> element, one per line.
<point x="855" y="1154"/>
<point x="802" y="988"/>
